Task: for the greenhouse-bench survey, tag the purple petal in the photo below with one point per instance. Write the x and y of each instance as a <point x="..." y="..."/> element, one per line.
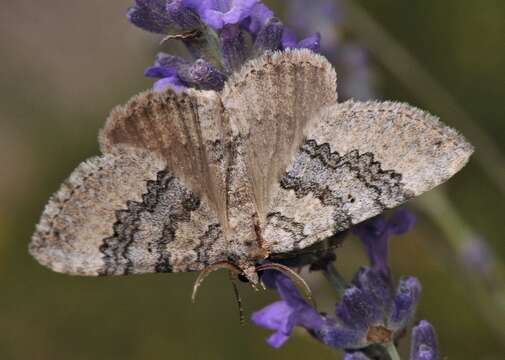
<point x="269" y="37"/>
<point x="218" y="13"/>
<point x="405" y="302"/>
<point x="401" y="222"/>
<point x="312" y="43"/>
<point x="288" y="39"/>
<point x="274" y="316"/>
<point x="307" y="317"/>
<point x="284" y="315"/>
<point x="170" y="82"/>
<point x="277" y="339"/>
<point x="284" y="286"/>
<point x="160" y="72"/>
<point x="150" y="15"/>
<point x="358" y="310"/>
<point x="424" y="342"/>
<point x="375" y="234"/>
<point x="260" y="15"/>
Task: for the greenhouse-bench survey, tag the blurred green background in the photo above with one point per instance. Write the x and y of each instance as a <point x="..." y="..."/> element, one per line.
<point x="65" y="64"/>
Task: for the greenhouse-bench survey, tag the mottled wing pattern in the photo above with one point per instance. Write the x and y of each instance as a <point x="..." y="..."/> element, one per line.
<point x="271" y="165"/>
<point x="358" y="159"/>
<point x="188" y="130"/>
<point x="269" y="102"/>
<point x="123" y="213"/>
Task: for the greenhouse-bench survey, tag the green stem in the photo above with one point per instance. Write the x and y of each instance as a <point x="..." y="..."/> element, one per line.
<point x="490" y="299"/>
<point x="392" y="351"/>
<point x="426" y="88"/>
<point x="336" y="280"/>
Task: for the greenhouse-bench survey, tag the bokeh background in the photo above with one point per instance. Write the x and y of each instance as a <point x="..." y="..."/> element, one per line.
<point x="65" y="64"/>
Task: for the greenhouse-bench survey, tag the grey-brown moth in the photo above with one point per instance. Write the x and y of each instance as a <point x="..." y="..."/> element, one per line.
<point x="269" y="165"/>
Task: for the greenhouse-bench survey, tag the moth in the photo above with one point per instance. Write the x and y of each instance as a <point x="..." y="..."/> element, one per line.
<point x="270" y="165"/>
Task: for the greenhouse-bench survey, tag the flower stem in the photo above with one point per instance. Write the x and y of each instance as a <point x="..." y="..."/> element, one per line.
<point x="392" y="351"/>
<point x="426" y="88"/>
<point x="490" y="298"/>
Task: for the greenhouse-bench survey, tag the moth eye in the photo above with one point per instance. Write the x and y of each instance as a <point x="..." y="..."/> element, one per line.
<point x="351" y="199"/>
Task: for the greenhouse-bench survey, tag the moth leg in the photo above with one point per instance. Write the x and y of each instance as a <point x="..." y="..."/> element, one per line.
<point x="293" y="275"/>
<point x="209" y="270"/>
<point x="233" y="279"/>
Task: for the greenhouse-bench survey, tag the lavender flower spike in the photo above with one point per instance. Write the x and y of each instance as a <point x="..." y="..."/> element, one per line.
<point x="424" y="342"/>
<point x="150" y="15"/>
<point x="368" y="314"/>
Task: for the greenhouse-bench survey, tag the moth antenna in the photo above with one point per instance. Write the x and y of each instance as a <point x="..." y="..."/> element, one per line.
<point x="296" y="278"/>
<point x="237" y="296"/>
<point x="209" y="270"/>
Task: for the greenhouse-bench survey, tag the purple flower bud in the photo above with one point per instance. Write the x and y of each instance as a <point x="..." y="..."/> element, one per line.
<point x="233" y="49"/>
<point x="358" y="309"/>
<point x="167" y="60"/>
<point x="205" y="76"/>
<point x="405" y="302"/>
<point x="150" y="15"/>
<point x="200" y="74"/>
<point x="424" y="342"/>
<point x="336" y="335"/>
<point x="186" y="18"/>
<point x="260" y="15"/>
<point x="401" y="222"/>
<point x="269" y="37"/>
<point x="379" y="288"/>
